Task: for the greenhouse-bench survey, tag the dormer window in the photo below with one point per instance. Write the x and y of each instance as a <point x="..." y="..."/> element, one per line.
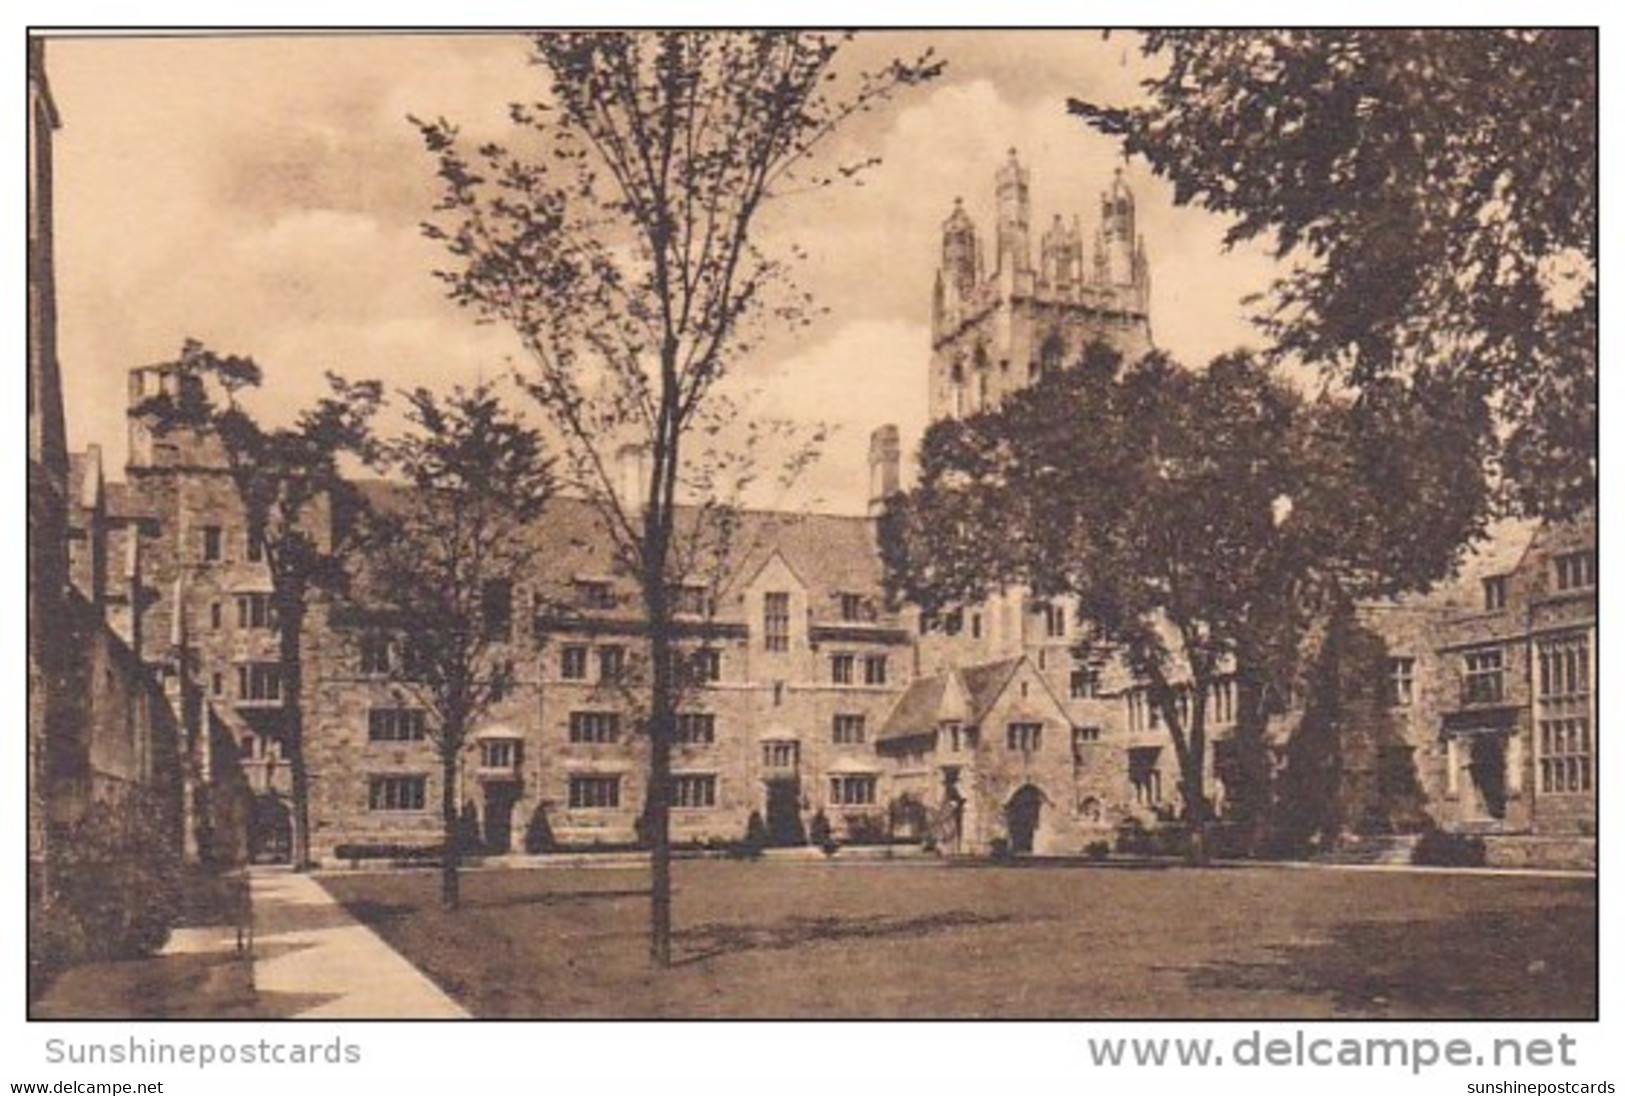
<point x="1495" y="593"/>
<point x="855" y="608"/>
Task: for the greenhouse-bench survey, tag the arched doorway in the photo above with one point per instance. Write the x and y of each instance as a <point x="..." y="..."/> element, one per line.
<point x="1021" y="817"/>
<point x="270" y="831"/>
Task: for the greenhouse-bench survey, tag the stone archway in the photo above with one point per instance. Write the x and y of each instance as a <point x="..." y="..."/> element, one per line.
<point x="1021" y="815"/>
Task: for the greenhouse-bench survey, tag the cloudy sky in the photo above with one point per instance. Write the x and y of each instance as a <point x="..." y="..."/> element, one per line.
<point x="264" y="194"/>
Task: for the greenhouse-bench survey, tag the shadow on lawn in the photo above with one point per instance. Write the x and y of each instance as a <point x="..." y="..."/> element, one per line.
<point x="714" y="940"/>
<point x="1537" y="964"/>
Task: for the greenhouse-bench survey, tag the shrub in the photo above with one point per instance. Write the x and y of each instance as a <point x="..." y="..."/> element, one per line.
<point x="1449" y="850"/>
<point x="386" y="850"/>
<point x="999" y="848"/>
<point x="1097" y="850"/>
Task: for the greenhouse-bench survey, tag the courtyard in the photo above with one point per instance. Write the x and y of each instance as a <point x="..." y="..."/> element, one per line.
<point x="1031" y="940"/>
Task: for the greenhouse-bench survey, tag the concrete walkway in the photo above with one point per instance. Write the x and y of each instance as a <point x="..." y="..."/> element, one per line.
<point x="313" y="961"/>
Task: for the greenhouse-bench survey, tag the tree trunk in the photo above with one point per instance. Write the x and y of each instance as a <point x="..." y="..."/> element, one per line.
<point x="451" y="853"/>
<point x="291" y="615"/>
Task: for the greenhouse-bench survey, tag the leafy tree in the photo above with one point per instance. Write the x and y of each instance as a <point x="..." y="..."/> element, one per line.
<point x="288" y="483"/>
<point x="618" y="238"/>
<point x="1203" y="521"/>
<point x="442" y="565"/>
<point x="1435" y="195"/>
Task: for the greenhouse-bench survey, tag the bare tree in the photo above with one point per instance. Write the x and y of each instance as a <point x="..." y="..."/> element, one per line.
<point x="618" y="239"/>
<point x="443" y="563"/>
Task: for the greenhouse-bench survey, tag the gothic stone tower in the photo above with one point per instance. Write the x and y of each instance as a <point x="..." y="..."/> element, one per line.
<point x="994" y="331"/>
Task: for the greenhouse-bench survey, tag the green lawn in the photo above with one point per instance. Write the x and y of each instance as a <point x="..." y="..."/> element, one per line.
<point x="796" y="940"/>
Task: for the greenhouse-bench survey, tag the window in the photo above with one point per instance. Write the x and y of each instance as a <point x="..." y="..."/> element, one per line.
<point x="594" y="792"/>
<point x="1085" y="683"/>
<point x="217" y="616"/>
<point x="696" y="728"/>
<point x="1401" y="682"/>
<point x="573" y="663"/>
<point x="374" y="653"/>
<point x="496" y="609"/>
<point x="1495" y="592"/>
<point x="1026" y="737"/>
<point x="874" y="670"/>
<point x="1222" y="702"/>
<point x="255" y="611"/>
<point x="253" y="548"/>
<point x="611" y="663"/>
<point x="395" y="725"/>
<point x="976" y="625"/>
<point x="776" y="621"/>
<point x="595" y="728"/>
<point x="217" y="684"/>
<point x="1482" y="680"/>
<point x="1575" y="570"/>
<point x="260" y="681"/>
<point x="852" y="791"/>
<point x="842" y="669"/>
<point x="593" y="594"/>
<point x="213" y="544"/>
<point x="848" y="730"/>
<point x="853" y="608"/>
<point x="693" y="790"/>
<point x="954" y="622"/>
<point x="780" y="755"/>
<point x="1563" y="698"/>
<point x="706" y="665"/>
<point x="1143" y="775"/>
<point x="1055" y="621"/>
<point x="397" y="793"/>
<point x="499" y="753"/>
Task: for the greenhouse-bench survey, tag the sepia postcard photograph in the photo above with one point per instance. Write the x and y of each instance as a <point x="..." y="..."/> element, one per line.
<point x="721" y="523"/>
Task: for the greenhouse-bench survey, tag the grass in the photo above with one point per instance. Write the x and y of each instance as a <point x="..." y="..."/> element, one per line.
<point x="781" y="940"/>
